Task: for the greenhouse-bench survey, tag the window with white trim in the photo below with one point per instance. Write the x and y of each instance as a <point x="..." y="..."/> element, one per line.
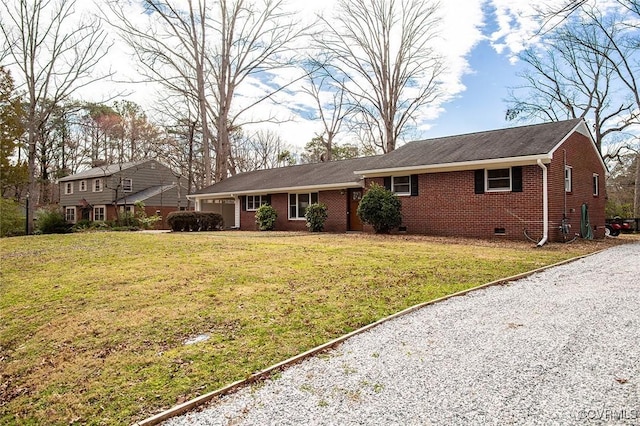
<point x="298" y="204"/>
<point x="83" y="185"/>
<point x="70" y="214"/>
<point x="596" y="185"/>
<point x="128" y="210"/>
<point x="68" y="188"/>
<point x="401" y="185"/>
<point x="498" y="179"/>
<point x="127" y="184"/>
<point x="568" y="178"/>
<point x="253" y="202"/>
<point x="99" y="213"/>
<point x="97" y="185"/>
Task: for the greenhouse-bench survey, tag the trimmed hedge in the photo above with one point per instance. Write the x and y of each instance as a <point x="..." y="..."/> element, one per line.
<point x="185" y="221"/>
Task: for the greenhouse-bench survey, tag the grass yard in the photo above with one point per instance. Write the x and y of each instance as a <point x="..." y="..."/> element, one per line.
<point x="93" y="326"/>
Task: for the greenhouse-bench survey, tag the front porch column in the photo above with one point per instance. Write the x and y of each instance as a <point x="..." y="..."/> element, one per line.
<point x="237" y="216"/>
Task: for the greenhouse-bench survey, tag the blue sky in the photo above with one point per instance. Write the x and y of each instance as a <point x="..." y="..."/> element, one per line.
<point x="481" y="106"/>
<point x="480" y="37"/>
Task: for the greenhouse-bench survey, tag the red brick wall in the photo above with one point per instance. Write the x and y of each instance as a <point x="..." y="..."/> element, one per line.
<point x="447" y="203"/>
<point x="585" y="163"/>
<point x="336" y="208"/>
<point x="336" y="202"/>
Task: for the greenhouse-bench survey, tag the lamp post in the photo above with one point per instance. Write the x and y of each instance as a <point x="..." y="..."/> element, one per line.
<point x="26" y="222"/>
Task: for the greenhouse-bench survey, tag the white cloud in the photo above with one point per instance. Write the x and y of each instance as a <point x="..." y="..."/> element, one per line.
<point x="461" y="30"/>
<point x="518" y="24"/>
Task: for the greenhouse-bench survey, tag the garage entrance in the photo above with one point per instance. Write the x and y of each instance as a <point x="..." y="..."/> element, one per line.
<point x="226" y="207"/>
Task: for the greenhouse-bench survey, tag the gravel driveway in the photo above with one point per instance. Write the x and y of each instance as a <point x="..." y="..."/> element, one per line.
<point x="560" y="347"/>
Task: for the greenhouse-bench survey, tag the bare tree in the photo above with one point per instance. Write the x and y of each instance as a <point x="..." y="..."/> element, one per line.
<point x="570" y="77"/>
<point x="263" y="149"/>
<point x="206" y="51"/>
<point x="383" y="49"/>
<point x="331" y="106"/>
<point x="137" y="136"/>
<point x="55" y="57"/>
<point x="181" y="146"/>
<point x="618" y="47"/>
<point x="254" y="40"/>
<point x="172" y="49"/>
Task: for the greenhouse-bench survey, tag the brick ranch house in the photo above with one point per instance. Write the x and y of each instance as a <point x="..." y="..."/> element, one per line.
<point x="481" y="185"/>
<point x="95" y="194"/>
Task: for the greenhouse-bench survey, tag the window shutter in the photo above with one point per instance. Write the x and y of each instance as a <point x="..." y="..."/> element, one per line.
<point x="243" y="203"/>
<point x="268" y="198"/>
<point x="414" y="185"/>
<point x="387" y="183"/>
<point x="516" y="179"/>
<point x="479" y="181"/>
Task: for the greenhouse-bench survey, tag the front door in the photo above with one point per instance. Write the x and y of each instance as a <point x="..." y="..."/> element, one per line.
<point x="85" y="213"/>
<point x="355" y="195"/>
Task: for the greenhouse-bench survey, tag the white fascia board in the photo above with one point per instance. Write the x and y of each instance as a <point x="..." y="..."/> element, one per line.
<point x="581" y="128"/>
<point x="307" y="188"/>
<point x="465" y="165"/>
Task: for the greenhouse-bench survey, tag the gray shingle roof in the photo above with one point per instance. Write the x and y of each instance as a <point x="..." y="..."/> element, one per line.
<point x="145" y="194"/>
<point x="302" y="175"/>
<point x="524" y="141"/>
<point x="103" y="171"/>
<point x="512" y="142"/>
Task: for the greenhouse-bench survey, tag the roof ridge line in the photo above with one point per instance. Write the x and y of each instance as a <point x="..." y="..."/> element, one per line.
<point x="495" y="130"/>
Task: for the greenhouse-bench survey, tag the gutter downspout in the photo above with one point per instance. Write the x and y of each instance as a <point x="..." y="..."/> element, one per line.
<point x="545" y="204"/>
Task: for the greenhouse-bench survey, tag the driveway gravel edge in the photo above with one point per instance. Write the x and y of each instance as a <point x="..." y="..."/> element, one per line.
<point x="203" y="399"/>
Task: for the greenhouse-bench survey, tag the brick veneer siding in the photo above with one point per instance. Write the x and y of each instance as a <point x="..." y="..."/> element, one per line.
<point x="447" y="204"/>
<point x="584" y="162"/>
<point x="336" y="208"/>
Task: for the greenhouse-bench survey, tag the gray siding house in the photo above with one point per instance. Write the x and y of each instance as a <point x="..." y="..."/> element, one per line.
<point x="100" y="193"/>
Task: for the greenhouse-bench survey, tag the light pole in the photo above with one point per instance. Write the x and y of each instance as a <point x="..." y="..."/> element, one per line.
<point x="26" y="222"/>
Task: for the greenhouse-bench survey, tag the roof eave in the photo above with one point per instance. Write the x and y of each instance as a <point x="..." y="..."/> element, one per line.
<point x="463" y="165"/>
<point x="232" y="194"/>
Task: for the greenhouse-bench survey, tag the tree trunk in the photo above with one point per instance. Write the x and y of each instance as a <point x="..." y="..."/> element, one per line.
<point x="192" y="131"/>
<point x="636" y="189"/>
<point x="222" y="143"/>
<point x="33" y="182"/>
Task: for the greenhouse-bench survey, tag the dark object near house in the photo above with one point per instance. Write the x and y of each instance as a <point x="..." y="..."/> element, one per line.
<point x="616" y="225"/>
<point x="194" y="221"/>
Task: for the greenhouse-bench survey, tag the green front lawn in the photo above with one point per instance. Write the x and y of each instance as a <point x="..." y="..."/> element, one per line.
<point x="93" y="326"/>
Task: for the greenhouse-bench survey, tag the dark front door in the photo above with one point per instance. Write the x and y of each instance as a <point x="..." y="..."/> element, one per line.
<point x="85" y="213"/>
<point x="355" y="195"/>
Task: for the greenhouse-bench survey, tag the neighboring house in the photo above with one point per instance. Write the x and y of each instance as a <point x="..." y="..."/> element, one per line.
<point x="95" y="194"/>
<point x="485" y="184"/>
